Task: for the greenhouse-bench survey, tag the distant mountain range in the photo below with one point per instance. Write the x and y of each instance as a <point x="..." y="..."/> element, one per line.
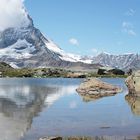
<point x="27" y="47"/>
<point x="125" y="61"/>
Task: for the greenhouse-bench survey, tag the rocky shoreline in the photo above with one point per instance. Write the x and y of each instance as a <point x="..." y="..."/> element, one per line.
<point x="133" y="84"/>
<point x="93" y="138"/>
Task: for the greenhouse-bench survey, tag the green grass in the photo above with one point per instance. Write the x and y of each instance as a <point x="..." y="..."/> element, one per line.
<point x="49" y="72"/>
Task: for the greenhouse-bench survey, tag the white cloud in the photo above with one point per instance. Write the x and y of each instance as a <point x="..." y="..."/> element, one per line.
<point x="131" y="32"/>
<point x="12" y="14"/>
<point x="128" y="28"/>
<point x="130" y="12"/>
<point x="74" y="42"/>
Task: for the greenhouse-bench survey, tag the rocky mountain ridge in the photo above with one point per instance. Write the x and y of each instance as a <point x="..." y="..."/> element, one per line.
<point x="123" y="61"/>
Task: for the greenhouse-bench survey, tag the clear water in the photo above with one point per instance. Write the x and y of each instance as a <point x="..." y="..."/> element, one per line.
<point x="34" y="108"/>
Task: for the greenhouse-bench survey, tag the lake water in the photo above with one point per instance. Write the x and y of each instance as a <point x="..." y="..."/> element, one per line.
<point x="34" y="108"/>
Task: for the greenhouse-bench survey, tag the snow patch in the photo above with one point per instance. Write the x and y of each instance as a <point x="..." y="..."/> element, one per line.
<point x="63" y="55"/>
<point x="20" y="50"/>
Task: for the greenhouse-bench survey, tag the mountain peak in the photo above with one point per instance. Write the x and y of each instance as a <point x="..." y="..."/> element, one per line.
<point x="13" y="15"/>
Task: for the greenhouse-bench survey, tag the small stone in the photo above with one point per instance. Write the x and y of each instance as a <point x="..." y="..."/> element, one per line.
<point x="51" y="138"/>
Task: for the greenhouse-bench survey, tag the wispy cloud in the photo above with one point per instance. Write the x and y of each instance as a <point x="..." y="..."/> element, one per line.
<point x="12" y="14"/>
<point x="130" y="12"/>
<point x="74" y="41"/>
<point x="128" y="28"/>
<point x="132" y="32"/>
<point x="127" y="25"/>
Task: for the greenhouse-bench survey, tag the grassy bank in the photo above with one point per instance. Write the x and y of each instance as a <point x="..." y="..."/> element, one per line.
<point x="53" y="72"/>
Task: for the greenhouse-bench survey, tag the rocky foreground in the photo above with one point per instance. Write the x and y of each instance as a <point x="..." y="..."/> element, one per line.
<point x="133" y="84"/>
<point x="95" y="88"/>
<point x="93" y="138"/>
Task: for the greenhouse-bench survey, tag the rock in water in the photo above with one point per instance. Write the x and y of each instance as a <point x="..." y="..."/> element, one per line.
<point x="133" y="98"/>
<point x="95" y="88"/>
<point x="133" y="83"/>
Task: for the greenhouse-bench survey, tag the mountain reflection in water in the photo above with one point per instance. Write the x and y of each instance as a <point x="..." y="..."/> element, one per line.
<point x="20" y="103"/>
<point x="34" y="108"/>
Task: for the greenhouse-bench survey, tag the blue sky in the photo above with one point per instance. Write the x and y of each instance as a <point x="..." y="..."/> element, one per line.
<point x="89" y="27"/>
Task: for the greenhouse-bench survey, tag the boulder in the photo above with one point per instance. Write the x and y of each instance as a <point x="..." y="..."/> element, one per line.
<point x="133" y="83"/>
<point x="95" y="88"/>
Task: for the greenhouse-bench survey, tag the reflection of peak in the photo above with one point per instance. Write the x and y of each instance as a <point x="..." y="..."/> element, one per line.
<point x="19" y="95"/>
<point x="24" y="95"/>
<point x="18" y="105"/>
<point x="20" y="102"/>
<point x="60" y="91"/>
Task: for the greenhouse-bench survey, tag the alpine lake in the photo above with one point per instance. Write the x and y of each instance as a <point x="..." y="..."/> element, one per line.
<point x="31" y="108"/>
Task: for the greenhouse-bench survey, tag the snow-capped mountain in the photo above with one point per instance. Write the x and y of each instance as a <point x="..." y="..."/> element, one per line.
<point x="23" y="45"/>
<point x="26" y="46"/>
<point x="125" y="61"/>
